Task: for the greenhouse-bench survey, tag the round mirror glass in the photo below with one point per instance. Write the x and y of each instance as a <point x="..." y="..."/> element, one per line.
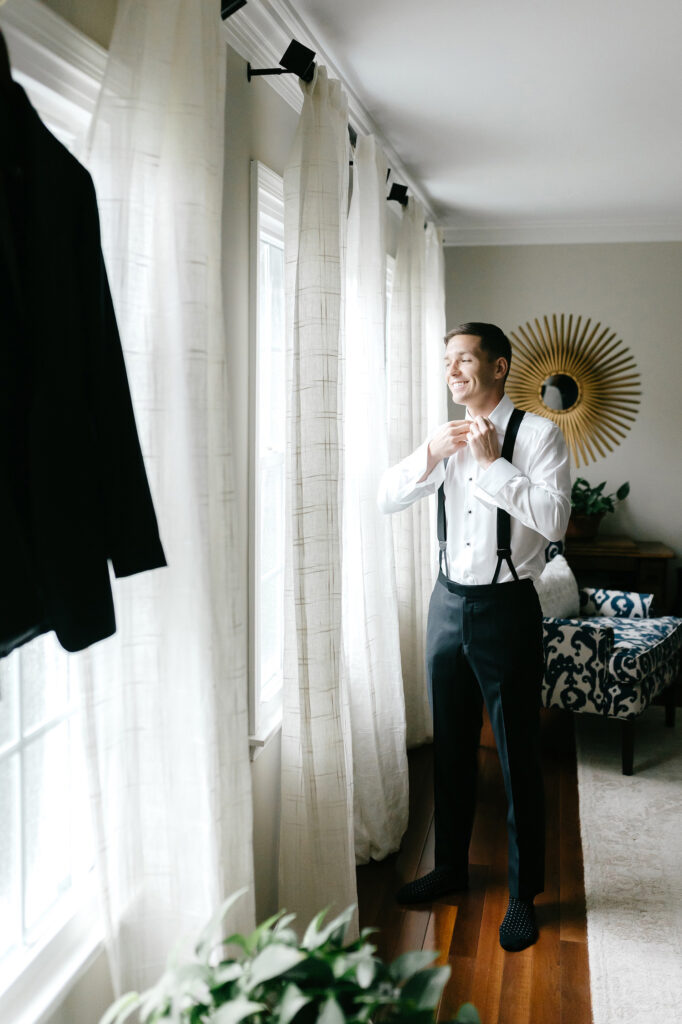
<point x="559" y="392"/>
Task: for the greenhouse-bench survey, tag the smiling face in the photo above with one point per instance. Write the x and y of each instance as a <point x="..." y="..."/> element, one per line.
<point x="474" y="379"/>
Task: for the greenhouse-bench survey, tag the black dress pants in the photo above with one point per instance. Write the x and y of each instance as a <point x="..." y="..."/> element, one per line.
<point x="484" y="643"/>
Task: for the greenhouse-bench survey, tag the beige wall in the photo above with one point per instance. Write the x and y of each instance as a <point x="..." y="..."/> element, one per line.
<point x="95" y="19"/>
<point x="635" y="289"/>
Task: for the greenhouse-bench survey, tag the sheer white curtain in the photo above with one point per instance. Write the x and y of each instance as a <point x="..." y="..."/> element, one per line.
<point x="370" y="609"/>
<point x="417" y="403"/>
<point x="434" y="333"/>
<point x="317" y="862"/>
<point x="165" y="698"/>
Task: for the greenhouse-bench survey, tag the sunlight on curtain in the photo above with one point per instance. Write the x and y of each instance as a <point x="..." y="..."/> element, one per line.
<point x="370" y="609"/>
<point x="434" y="351"/>
<point x="416" y="404"/>
<point x="165" y="699"/>
<point x="317" y="863"/>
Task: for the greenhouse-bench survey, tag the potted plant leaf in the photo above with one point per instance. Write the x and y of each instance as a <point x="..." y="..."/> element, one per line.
<point x="272" y="977"/>
<point x="589" y="505"/>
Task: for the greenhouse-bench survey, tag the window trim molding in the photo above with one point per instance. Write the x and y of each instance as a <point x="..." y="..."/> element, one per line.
<point x="262" y="179"/>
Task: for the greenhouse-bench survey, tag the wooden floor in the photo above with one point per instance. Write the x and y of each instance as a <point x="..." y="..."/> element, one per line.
<point x="545" y="984"/>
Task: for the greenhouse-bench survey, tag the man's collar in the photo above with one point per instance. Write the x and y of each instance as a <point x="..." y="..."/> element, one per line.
<point x="499" y="417"/>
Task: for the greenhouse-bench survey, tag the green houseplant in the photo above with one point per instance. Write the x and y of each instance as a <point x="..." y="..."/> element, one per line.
<point x="589" y="505"/>
<point x="270" y="977"/>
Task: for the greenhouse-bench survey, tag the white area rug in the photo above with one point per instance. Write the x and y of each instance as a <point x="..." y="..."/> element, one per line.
<point x="631" y="832"/>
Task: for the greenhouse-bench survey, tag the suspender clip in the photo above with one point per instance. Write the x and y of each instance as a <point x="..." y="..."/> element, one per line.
<point x="504" y="552"/>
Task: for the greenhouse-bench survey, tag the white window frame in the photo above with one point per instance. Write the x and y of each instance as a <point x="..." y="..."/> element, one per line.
<point x="267" y="220"/>
<point x="61" y="70"/>
<point x="55" y="964"/>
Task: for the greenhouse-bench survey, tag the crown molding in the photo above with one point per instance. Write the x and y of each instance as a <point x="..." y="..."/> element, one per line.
<point x="260" y="33"/>
<point x="57" y="53"/>
<point x="60" y="67"/>
<point x="565" y="233"/>
<point x="259" y="37"/>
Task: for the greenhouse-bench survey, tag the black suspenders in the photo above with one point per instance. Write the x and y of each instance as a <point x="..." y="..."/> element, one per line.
<point x="503" y="518"/>
<point x="442" y="528"/>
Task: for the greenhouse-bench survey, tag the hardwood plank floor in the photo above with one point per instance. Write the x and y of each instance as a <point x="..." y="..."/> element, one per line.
<point x="546" y="984"/>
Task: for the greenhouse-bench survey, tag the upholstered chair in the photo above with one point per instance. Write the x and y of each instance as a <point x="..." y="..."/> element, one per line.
<point x="604" y="654"/>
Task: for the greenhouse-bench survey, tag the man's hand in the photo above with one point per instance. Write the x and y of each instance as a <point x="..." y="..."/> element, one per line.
<point x="483" y="443"/>
<point x="447" y="440"/>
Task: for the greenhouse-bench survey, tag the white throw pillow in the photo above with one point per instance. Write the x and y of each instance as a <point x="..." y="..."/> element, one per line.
<point x="557" y="589"/>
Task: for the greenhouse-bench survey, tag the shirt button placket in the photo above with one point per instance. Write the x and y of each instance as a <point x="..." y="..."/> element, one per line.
<point x="468" y="510"/>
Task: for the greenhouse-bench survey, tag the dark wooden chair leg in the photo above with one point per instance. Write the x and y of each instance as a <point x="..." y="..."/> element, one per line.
<point x="628" y="744"/>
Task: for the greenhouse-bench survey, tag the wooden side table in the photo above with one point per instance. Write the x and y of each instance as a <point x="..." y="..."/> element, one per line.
<point x="620" y="563"/>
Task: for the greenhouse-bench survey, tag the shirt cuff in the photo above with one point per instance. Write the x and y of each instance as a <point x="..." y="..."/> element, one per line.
<point x="416" y="465"/>
<point x="493" y="479"/>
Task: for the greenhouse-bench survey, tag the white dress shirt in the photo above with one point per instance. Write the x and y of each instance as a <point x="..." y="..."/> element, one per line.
<point x="535" y="489"/>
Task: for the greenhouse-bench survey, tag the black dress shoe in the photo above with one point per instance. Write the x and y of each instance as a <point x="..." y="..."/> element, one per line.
<point x="430" y="887"/>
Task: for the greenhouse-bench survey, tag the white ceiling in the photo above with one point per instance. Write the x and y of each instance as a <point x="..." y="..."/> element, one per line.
<point x="523" y="120"/>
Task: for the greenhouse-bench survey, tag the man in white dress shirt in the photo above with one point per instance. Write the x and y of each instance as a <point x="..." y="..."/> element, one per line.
<point x="484" y="633"/>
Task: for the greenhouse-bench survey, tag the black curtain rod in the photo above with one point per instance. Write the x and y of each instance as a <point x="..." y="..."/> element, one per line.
<point x="228" y="7"/>
<point x="398" y="192"/>
<point x="300" y="60"/>
<point x="297" y="60"/>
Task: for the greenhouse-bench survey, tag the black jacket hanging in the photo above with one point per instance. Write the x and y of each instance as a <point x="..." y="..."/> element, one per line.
<point x="73" y="487"/>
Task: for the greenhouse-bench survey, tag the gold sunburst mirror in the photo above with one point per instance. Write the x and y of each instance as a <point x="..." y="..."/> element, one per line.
<point x="579" y="375"/>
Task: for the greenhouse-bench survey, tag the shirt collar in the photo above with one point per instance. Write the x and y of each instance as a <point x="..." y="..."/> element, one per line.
<point x="499" y="417"/>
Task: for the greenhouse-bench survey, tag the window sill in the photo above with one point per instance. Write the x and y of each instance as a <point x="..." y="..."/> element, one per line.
<point x="52" y="968"/>
<point x="260" y="740"/>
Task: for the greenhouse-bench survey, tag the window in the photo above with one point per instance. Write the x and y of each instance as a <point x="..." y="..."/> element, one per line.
<point x="48" y="926"/>
<point x="45" y="841"/>
<point x="268" y="453"/>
